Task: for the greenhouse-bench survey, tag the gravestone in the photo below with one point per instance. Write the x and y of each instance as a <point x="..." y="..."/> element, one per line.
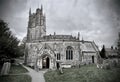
<point x="60" y="68"/>
<point x="6" y="68"/>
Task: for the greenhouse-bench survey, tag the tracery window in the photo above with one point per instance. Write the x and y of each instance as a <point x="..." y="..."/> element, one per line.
<point x="69" y="53"/>
<point x="58" y="56"/>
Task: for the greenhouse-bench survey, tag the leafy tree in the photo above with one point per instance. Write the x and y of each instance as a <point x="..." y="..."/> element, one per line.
<point x="102" y="53"/>
<point x="8" y="43"/>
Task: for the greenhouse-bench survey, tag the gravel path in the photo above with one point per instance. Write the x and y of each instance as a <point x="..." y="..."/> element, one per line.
<point x="36" y="76"/>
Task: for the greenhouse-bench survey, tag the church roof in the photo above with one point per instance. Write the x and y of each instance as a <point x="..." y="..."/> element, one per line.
<point x="88" y="46"/>
<point x="111" y="52"/>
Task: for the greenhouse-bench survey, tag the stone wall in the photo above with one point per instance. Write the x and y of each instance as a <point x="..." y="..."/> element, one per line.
<point x="37" y="49"/>
<point x="56" y="47"/>
<point x="109" y="63"/>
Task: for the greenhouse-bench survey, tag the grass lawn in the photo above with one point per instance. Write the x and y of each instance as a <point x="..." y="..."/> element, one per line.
<point x="16" y="69"/>
<point x="15" y="78"/>
<point x="84" y="74"/>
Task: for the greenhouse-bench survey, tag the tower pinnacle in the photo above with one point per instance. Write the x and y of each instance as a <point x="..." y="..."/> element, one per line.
<point x="78" y="35"/>
<point x="41" y="7"/>
<point x="29" y="11"/>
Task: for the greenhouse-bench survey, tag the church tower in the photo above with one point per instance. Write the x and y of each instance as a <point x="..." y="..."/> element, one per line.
<point x="36" y="25"/>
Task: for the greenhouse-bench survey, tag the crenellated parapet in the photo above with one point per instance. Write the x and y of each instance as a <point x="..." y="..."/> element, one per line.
<point x="60" y="37"/>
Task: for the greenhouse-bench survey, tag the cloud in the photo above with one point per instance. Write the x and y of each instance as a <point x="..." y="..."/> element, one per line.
<point x="96" y="20"/>
<point x="14" y="13"/>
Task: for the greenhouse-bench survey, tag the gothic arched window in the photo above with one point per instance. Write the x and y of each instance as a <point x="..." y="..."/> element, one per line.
<point x="69" y="53"/>
<point x="58" y="56"/>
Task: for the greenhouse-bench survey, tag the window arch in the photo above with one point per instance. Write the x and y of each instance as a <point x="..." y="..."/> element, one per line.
<point x="58" y="56"/>
<point x="69" y="53"/>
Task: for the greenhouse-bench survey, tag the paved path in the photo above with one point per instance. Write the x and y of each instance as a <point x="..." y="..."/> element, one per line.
<point x="36" y="76"/>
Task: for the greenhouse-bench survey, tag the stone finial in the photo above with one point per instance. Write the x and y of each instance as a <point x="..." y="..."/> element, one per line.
<point x="78" y="35"/>
<point x="111" y="47"/>
<point x="82" y="40"/>
<point x="54" y="33"/>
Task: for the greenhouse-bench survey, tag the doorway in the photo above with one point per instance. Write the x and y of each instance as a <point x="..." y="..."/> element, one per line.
<point x="58" y="65"/>
<point x="45" y="62"/>
<point x="92" y="59"/>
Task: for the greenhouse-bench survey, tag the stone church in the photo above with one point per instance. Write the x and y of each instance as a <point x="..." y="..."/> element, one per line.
<point x="52" y="51"/>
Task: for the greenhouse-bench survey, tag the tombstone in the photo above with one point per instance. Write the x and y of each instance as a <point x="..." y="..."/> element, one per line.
<point x="9" y="65"/>
<point x="106" y="64"/>
<point x="60" y="68"/>
<point x="6" y="68"/>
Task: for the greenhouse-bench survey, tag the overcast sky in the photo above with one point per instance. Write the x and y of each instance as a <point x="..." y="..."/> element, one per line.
<point x="96" y="20"/>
